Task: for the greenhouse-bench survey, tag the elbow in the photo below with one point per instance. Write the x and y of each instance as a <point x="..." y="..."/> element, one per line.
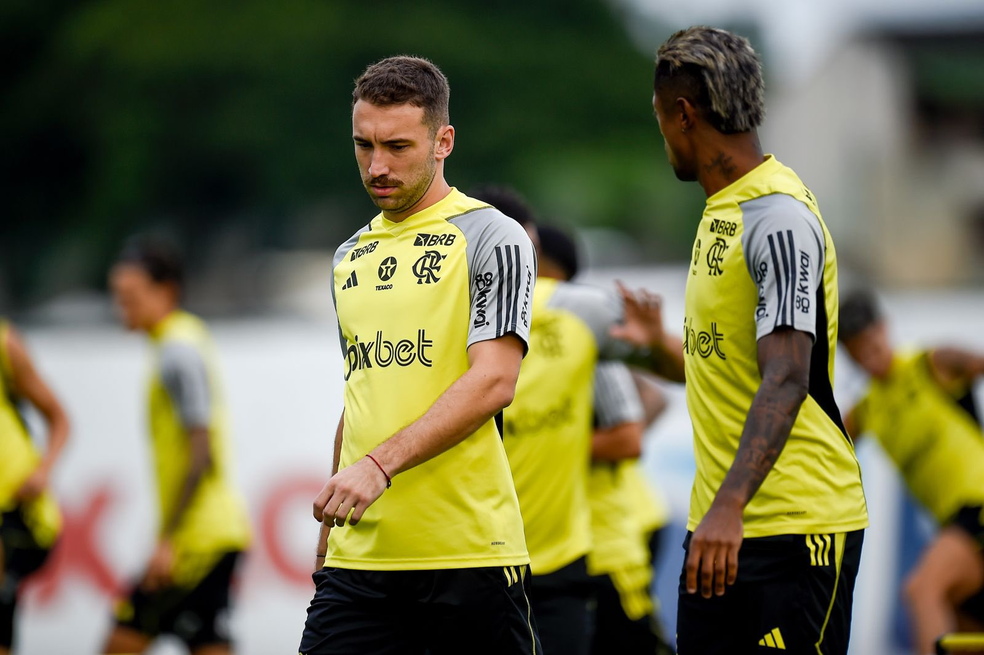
<point x="501" y="393"/>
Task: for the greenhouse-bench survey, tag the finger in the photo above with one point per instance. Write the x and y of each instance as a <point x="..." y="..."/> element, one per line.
<point x="720" y="571"/>
<point x="707" y="573"/>
<point x="358" y="511"/>
<point x="692" y="566"/>
<point x="321" y="500"/>
<point x="331" y="508"/>
<point x="341" y="514"/>
<point x="624" y="291"/>
<point x="733" y="564"/>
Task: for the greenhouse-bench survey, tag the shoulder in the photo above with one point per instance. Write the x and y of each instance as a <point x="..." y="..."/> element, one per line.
<point x="484" y="223"/>
<point x="778" y="211"/>
<point x="346" y="247"/>
<point x="593" y="305"/>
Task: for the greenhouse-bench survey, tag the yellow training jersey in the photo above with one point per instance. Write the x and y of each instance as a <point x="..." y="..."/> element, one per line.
<point x="934" y="442"/>
<point x="648" y="504"/>
<point x="763" y="259"/>
<point x="615" y="527"/>
<point x="184" y="393"/>
<point x="548" y="427"/>
<point x="19" y="458"/>
<point x="411" y="298"/>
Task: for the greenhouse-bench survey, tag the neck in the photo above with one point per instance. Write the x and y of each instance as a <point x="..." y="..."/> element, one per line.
<point x="436" y="192"/>
<point x="159" y="318"/>
<point x="725" y="158"/>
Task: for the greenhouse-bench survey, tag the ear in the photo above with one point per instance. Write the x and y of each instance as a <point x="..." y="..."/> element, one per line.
<point x="687" y="114"/>
<point x="444" y="142"/>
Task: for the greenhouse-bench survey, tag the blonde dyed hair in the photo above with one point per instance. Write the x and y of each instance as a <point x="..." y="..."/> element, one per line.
<point x="719" y="72"/>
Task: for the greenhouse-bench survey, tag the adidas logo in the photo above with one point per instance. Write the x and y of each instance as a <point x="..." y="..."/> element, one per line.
<point x="351" y="282"/>
<point x="773" y="640"/>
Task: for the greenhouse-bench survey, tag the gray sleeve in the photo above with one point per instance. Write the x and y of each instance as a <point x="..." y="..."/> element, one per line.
<point x="340" y="255"/>
<point x="502" y="274"/>
<point x="599" y="310"/>
<point x="616" y="398"/>
<point x="784" y="251"/>
<point x="186" y="381"/>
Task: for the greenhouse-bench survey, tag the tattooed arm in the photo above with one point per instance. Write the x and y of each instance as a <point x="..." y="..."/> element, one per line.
<point x="784" y="362"/>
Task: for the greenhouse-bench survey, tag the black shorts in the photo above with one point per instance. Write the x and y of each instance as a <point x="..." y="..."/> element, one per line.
<point x="793" y="592"/>
<point x="480" y="611"/>
<point x="970" y="519"/>
<point x="196" y="615"/>
<point x="563" y="604"/>
<point x="620" y="594"/>
<point x="22" y="556"/>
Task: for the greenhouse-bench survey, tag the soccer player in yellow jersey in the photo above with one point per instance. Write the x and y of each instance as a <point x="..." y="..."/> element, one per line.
<point x="433" y="298"/>
<point x="919" y="407"/>
<point x="203" y="522"/>
<point x="777" y="478"/>
<point x="29" y="517"/>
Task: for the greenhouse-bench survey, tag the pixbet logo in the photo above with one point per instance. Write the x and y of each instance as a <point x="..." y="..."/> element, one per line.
<point x="380" y="352"/>
<point x="701" y="342"/>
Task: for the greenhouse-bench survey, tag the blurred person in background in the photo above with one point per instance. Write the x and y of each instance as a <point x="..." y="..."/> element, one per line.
<point x="621" y="562"/>
<point x="777" y="477"/>
<point x="547" y="433"/>
<point x="204" y="526"/>
<point x="29" y="518"/>
<point x="433" y="298"/>
<point x="919" y="406"/>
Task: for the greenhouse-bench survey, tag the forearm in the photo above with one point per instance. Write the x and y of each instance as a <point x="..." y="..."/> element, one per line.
<point x="58" y="429"/>
<point x="617" y="443"/>
<point x="467" y="405"/>
<point x="954" y="364"/>
<point x="201" y="460"/>
<point x="667" y="359"/>
<point x="770" y="420"/>
<point x="321" y="551"/>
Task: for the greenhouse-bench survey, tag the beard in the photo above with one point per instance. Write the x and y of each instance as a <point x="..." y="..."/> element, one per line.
<point x="407" y="193"/>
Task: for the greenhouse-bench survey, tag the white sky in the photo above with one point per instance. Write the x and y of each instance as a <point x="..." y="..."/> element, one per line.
<point x="800" y="34"/>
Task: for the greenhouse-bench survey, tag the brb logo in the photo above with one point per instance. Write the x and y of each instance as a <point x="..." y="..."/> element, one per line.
<point x="431" y="240"/>
<point x="483" y="285"/>
<point x="361" y="355"/>
<point x="428" y="266"/>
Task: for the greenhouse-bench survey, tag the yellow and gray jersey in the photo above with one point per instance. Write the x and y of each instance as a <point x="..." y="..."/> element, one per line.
<point x="616" y="398"/>
<point x="763" y="259"/>
<point x="184" y="376"/>
<point x="411" y="298"/>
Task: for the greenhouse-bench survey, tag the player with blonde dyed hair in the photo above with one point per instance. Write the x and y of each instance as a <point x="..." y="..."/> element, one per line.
<point x="777" y="511"/>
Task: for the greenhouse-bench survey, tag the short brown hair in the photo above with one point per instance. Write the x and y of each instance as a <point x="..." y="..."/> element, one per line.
<point x="718" y="72"/>
<point x="406" y="80"/>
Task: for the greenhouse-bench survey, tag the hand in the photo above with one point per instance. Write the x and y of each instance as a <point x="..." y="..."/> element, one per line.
<point x="159" y="570"/>
<point x="643" y="325"/>
<point x="352" y="489"/>
<point x="34" y="485"/>
<point x="714" y="551"/>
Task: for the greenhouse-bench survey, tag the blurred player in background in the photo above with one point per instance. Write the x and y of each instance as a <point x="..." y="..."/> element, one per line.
<point x="624" y="512"/>
<point x="204" y="526"/>
<point x="920" y="408"/>
<point x="433" y="299"/>
<point x="620" y="560"/>
<point x="777" y="478"/>
<point x="29" y="517"/>
<point x="548" y="431"/>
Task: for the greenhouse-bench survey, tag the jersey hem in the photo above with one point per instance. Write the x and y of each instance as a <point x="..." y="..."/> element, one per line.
<point x="360" y="564"/>
<point x="812" y="528"/>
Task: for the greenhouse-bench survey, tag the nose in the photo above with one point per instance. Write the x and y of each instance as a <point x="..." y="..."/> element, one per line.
<point x="378" y="165"/>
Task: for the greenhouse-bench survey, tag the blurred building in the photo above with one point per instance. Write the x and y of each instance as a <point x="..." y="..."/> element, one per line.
<point x="890" y="135"/>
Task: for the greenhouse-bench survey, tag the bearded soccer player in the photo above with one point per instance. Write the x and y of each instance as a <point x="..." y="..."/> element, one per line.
<point x="547" y="434"/>
<point x="204" y="526"/>
<point x="920" y="408"/>
<point x="433" y="299"/>
<point x="777" y="511"/>
<point x="29" y="517"/>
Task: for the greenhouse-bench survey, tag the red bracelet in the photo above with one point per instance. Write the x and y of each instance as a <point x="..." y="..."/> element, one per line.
<point x="389" y="482"/>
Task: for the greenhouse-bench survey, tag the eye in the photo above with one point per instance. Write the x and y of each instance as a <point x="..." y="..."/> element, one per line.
<point x="364" y="145"/>
<point x="400" y="148"/>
